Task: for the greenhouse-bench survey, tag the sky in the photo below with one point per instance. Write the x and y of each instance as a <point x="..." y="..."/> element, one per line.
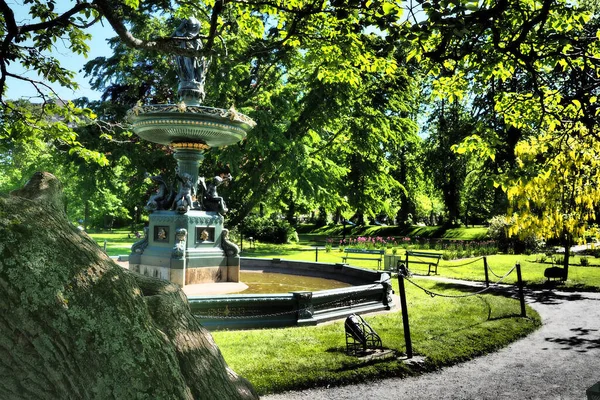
<point x="69" y="60"/>
<point x="100" y="32"/>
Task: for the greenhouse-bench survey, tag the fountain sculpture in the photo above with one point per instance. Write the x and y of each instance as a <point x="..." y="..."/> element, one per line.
<point x="186" y="241"/>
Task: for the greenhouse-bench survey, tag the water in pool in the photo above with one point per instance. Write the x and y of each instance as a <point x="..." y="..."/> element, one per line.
<point x="272" y="282"/>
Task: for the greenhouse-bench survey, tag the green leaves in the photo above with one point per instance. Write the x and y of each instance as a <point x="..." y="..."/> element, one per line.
<point x="560" y="198"/>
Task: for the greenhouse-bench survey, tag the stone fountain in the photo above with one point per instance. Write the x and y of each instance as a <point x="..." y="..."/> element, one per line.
<point x="186" y="241"/>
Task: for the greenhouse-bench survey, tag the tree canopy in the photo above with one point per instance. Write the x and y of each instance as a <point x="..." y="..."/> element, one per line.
<point x="338" y="90"/>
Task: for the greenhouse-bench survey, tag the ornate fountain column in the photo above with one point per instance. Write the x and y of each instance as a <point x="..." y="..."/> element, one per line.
<point x="188" y="156"/>
<point x="186" y="242"/>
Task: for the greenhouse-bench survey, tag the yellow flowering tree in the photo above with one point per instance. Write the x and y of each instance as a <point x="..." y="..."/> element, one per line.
<point x="556" y="192"/>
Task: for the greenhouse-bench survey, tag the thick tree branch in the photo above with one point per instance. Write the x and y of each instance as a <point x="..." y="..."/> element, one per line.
<point x="214" y="21"/>
<point x="9" y="18"/>
<point x="163" y="44"/>
<point x="61" y="20"/>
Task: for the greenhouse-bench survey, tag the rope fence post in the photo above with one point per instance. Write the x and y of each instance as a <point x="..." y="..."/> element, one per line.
<point x="485" y="268"/>
<point x="520" y="285"/>
<point x="401" y="274"/>
<point x="317" y="253"/>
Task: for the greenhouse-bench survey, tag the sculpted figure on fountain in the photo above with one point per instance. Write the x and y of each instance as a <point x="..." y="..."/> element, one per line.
<point x="192" y="70"/>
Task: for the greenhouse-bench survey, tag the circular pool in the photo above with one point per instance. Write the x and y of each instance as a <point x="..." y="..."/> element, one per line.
<point x="275" y="282"/>
<point x="294" y="293"/>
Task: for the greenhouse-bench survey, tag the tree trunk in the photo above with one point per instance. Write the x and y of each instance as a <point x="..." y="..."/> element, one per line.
<point x="74" y="325"/>
<point x="86" y="215"/>
<point x="567" y="242"/>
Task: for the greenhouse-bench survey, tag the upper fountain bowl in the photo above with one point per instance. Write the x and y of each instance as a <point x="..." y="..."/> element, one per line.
<point x="181" y="123"/>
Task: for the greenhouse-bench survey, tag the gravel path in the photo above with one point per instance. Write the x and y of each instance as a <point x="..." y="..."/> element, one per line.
<point x="558" y="361"/>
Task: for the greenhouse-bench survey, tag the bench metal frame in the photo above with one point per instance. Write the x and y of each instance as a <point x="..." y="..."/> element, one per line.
<point x="431" y="266"/>
<point x="363" y="251"/>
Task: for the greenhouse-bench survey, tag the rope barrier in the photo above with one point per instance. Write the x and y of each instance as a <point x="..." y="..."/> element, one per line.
<point x="462" y="265"/>
<point x="493" y="273"/>
<point x="433" y="294"/>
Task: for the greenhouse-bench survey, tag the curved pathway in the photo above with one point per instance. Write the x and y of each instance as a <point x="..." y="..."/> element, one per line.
<point x="558" y="361"/>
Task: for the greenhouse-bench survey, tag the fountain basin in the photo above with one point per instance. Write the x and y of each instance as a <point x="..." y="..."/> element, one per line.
<point x="371" y="292"/>
<point x="199" y="127"/>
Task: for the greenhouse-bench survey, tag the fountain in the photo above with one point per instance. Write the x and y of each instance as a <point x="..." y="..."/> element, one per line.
<point x="186" y="241"/>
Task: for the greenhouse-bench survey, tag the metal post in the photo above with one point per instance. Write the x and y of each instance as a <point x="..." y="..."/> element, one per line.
<point x="105" y="246"/>
<point x="317" y="253"/>
<point x="521" y="295"/>
<point x="485" y="268"/>
<point x="407" y="340"/>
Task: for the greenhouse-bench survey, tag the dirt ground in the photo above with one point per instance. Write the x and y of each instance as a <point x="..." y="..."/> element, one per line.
<point x="558" y="361"/>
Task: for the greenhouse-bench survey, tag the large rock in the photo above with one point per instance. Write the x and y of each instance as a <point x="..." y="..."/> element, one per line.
<point x="73" y="324"/>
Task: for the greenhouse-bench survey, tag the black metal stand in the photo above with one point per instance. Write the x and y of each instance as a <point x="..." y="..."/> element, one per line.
<point x="402" y="271"/>
<point x="485" y="268"/>
<point x="521" y="295"/>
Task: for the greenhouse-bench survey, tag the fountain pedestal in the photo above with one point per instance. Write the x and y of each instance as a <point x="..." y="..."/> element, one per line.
<point x="194" y="256"/>
<point x="188" y="245"/>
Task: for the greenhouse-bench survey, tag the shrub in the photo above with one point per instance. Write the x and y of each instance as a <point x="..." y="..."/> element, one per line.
<point x="559" y="260"/>
<point x="449" y="255"/>
<point x="322" y="217"/>
<point x="584" y="261"/>
<point x="513" y="245"/>
<point x="269" y="230"/>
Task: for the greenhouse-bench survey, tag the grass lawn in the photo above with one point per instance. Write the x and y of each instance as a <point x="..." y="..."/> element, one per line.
<point x="118" y="242"/>
<point x="444" y="330"/>
<point x="580" y="278"/>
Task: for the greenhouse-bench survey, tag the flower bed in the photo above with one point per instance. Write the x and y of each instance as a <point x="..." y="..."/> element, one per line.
<point x="450" y="249"/>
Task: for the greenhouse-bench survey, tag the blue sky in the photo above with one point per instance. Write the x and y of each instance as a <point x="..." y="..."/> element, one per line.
<point x="74" y="62"/>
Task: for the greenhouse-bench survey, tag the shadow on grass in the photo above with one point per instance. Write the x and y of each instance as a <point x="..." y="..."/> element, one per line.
<point x="562" y="286"/>
<point x="544" y="294"/>
<point x="370" y="357"/>
<point x="486" y="303"/>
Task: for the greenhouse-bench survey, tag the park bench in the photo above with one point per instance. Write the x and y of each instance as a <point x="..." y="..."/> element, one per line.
<point x="554" y="273"/>
<point x="360" y="336"/>
<point x="420" y="257"/>
<point x="362" y="254"/>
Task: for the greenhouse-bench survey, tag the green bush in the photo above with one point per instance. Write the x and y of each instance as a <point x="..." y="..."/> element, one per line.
<point x="449" y="255"/>
<point x="584" y="261"/>
<point x="558" y="260"/>
<point x="269" y="230"/>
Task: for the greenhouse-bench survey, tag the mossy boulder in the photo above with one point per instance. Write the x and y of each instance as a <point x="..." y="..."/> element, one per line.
<point x="73" y="324"/>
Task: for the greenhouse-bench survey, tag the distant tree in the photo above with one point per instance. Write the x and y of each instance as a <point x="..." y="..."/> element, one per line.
<point x="449" y="125"/>
<point x="536" y="63"/>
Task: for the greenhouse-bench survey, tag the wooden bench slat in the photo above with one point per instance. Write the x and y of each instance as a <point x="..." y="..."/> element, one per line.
<point x="431" y="265"/>
<point x="356" y="252"/>
<point x="418" y="254"/>
<point x="361" y="251"/>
